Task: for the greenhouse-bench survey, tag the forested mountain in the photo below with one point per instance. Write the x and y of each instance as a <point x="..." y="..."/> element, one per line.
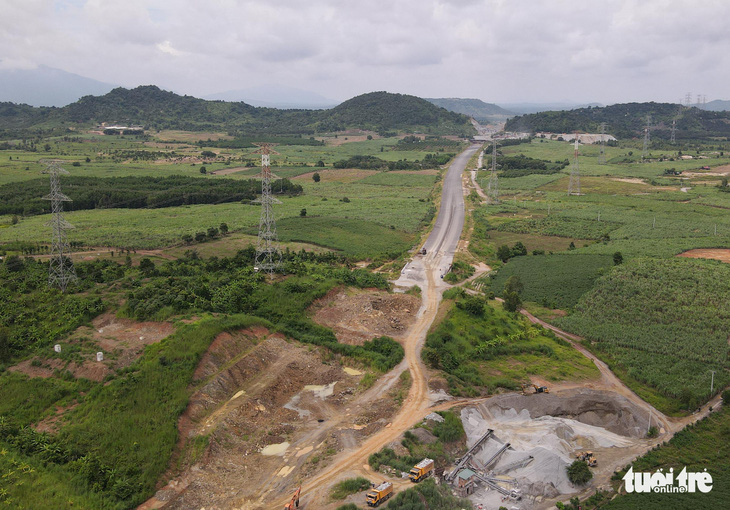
<point x="473" y="107"/>
<point x="628" y="120"/>
<point x="158" y="109"/>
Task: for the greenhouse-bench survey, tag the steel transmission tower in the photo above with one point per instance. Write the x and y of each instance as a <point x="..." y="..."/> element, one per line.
<point x="61" y="270"/>
<point x="493" y="186"/>
<point x="602" y="153"/>
<point x="673" y="138"/>
<point x="647" y="138"/>
<point x="574" y="184"/>
<point x="268" y="255"/>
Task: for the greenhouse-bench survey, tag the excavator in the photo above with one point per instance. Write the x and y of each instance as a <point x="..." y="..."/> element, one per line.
<point x="538" y="389"/>
<point x="587" y="457"/>
<point x="294" y="503"/>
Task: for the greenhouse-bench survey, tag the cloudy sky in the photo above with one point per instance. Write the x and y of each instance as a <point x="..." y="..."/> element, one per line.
<point x="497" y="50"/>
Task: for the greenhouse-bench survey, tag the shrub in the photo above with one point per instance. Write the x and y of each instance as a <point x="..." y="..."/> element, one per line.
<point x="350" y="486"/>
<point x="579" y="473"/>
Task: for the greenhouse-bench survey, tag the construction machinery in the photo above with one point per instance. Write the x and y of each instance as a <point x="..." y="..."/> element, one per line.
<point x="378" y="494"/>
<point x="421" y="470"/>
<point x="538" y="389"/>
<point x="587" y="457"/>
<point x="294" y="503"/>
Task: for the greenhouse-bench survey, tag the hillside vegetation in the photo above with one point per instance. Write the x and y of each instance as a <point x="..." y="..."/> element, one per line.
<point x="154" y="108"/>
<point x="628" y="120"/>
<point x="663" y="322"/>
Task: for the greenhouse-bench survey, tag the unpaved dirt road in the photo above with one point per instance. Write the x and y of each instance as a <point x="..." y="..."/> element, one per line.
<point x="424" y="271"/>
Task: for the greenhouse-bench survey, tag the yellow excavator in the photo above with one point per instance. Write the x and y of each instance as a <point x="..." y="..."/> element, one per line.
<point x="538" y="389"/>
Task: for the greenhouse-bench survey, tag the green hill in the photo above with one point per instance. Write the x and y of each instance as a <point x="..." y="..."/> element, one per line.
<point x="154" y="108"/>
<point x="628" y="120"/>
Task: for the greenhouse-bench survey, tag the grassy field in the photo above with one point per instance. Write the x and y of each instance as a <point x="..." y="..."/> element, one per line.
<point x="640" y="317"/>
<point x="343" y="210"/>
<point x="481" y="348"/>
<point x="555" y="281"/>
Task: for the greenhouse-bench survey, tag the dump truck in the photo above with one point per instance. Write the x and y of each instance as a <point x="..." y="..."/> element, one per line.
<point x="294" y="503"/>
<point x="587" y="457"/>
<point x="378" y="494"/>
<point x="421" y="470"/>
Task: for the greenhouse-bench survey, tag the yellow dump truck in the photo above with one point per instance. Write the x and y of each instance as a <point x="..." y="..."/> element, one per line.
<point x="421" y="470"/>
<point x="378" y="494"/>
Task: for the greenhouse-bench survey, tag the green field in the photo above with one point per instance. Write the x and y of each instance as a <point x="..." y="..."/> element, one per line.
<point x="555" y="281"/>
<point x="480" y="348"/>
<point x="650" y="319"/>
<point x="389" y="207"/>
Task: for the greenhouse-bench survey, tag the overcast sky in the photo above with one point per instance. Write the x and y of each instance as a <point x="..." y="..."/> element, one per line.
<point x="496" y="50"/>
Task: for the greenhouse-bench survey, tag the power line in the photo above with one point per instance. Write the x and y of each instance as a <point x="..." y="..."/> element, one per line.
<point x="574" y="183"/>
<point x="493" y="186"/>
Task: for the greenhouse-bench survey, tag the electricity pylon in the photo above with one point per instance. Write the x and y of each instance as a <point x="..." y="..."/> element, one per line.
<point x="574" y="183"/>
<point x="268" y="255"/>
<point x="647" y="137"/>
<point x="602" y="144"/>
<point x="61" y="271"/>
<point x="493" y="186"/>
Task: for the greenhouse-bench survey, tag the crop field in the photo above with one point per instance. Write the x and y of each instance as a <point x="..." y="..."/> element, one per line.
<point x="665" y="321"/>
<point x="339" y="212"/>
<point x="653" y="319"/>
<point x="555" y="281"/>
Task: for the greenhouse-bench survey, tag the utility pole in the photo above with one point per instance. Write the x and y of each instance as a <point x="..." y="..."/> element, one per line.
<point x="712" y="382"/>
<point x="61" y="269"/>
<point x="647" y="136"/>
<point x="574" y="183"/>
<point x="268" y="255"/>
<point x="602" y="142"/>
<point x="493" y="186"/>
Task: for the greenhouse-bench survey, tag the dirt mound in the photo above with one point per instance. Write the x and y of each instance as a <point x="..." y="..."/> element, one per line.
<point x="610" y="411"/>
<point x="359" y="315"/>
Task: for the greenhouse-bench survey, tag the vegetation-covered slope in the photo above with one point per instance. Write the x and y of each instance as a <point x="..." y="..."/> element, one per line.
<point x="663" y="322"/>
<point x="628" y="120"/>
<point x="158" y="109"/>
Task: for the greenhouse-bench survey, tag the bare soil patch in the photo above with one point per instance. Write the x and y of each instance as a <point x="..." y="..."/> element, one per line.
<point x="343" y="138"/>
<point x="337" y="175"/>
<point x="359" y="315"/>
<point x="121" y="340"/>
<point x="721" y="254"/>
<point x="191" y="136"/>
<point x="632" y="180"/>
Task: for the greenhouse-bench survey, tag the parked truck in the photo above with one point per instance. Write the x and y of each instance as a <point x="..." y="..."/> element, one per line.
<point x="421" y="470"/>
<point x="378" y="494"/>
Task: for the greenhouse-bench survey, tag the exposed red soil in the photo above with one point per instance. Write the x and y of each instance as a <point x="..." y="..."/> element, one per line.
<point x="358" y="315"/>
<point x="721" y="254"/>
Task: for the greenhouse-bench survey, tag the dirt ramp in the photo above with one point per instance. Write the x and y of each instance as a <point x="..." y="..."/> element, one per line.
<point x="603" y="409"/>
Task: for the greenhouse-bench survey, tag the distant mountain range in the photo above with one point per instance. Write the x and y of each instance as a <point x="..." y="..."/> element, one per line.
<point x="523" y="108"/>
<point x="481" y="111"/>
<point x="627" y="120"/>
<point x="276" y="96"/>
<point x="154" y="108"/>
<point x="46" y="86"/>
<point x="718" y="105"/>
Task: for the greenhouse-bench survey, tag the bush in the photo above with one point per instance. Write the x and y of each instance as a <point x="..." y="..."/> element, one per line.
<point x="350" y="486"/>
<point x="451" y="429"/>
<point x="579" y="473"/>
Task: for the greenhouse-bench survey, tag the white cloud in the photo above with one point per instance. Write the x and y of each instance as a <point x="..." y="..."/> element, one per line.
<point x="497" y="50"/>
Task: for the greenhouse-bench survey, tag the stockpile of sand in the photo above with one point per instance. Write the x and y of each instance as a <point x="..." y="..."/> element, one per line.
<point x="526" y="423"/>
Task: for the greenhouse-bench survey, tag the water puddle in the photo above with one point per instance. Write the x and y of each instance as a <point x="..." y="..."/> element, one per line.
<point x="275" y="449"/>
<point x="351" y="371"/>
<point x="320" y="391"/>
